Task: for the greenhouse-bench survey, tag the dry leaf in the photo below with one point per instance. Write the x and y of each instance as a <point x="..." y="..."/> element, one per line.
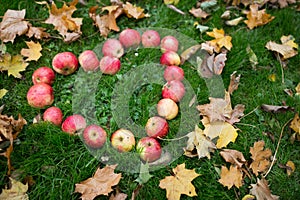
<point x="233" y="156"/>
<point x="100" y="184"/>
<point x="260" y="157"/>
<point x="261" y="190"/>
<point x="295" y="123"/>
<point x="16" y="192"/>
<point x="198" y="140"/>
<point x="282" y="3"/>
<point x="231" y="177"/>
<point x="134" y="11"/>
<point x="234" y="22"/>
<point x="275" y="109"/>
<point x="167" y="2"/>
<point x="13" y="24"/>
<point x="226" y="14"/>
<point x="118" y="195"/>
<point x="221" y="40"/>
<point x="34" y="51"/>
<point x="199" y="13"/>
<point x="186" y="54"/>
<point x="289" y="40"/>
<point x="215" y="64"/>
<point x="3" y="93"/>
<point x="13" y="65"/>
<point x="37" y="32"/>
<point x="234" y="82"/>
<point x="248" y="197"/>
<point x="297" y="88"/>
<point x="286" y="50"/>
<point x="290" y="167"/>
<point x="257" y="17"/>
<point x="180" y="183"/>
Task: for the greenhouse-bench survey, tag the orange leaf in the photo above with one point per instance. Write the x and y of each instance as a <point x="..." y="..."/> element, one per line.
<point x="233" y="156"/>
<point x="257" y="17"/>
<point x="134" y="11"/>
<point x="33" y="53"/>
<point x="260" y="157"/>
<point x="295" y="124"/>
<point x="231" y="177"/>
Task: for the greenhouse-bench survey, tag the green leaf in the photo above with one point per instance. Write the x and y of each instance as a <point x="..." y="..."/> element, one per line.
<point x="144" y="174"/>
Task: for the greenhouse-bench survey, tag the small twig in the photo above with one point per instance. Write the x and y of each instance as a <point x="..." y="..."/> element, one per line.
<point x="250" y="112"/>
<point x="175" y="9"/>
<point x="175" y="139"/>
<point x="274" y="157"/>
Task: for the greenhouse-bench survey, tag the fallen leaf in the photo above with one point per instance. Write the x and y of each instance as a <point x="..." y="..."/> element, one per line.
<point x="262" y="191"/>
<point x="13" y="24"/>
<point x="289" y="40"/>
<point x="34" y="51"/>
<point x="233" y="156"/>
<point x="290" y="167"/>
<point x="272" y="77"/>
<point x="134" y="11"/>
<point x="234" y="22"/>
<point x="171" y="2"/>
<point x="136" y="192"/>
<point x="216" y="63"/>
<point x="186" y="54"/>
<point x="252" y="57"/>
<point x="199" y="13"/>
<point x="226" y="14"/>
<point x="13" y="65"/>
<point x="248" y="197"/>
<point x="283" y="3"/>
<point x="295" y="123"/>
<point x="198" y="140"/>
<point x="100" y="184"/>
<point x="3" y="93"/>
<point x="275" y="109"/>
<point x="118" y="196"/>
<point x="202" y="28"/>
<point x="37" y="32"/>
<point x="221" y="40"/>
<point x="234" y="82"/>
<point x="180" y="183"/>
<point x="144" y="175"/>
<point x="16" y="192"/>
<point x="297" y="88"/>
<point x="260" y="157"/>
<point x="257" y="17"/>
<point x="286" y="50"/>
<point x="231" y="177"/>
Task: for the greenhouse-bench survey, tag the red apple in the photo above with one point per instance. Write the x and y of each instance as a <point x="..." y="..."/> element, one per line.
<point x="151" y="38"/>
<point x="65" y="63"/>
<point x="130" y="38"/>
<point x="43" y="75"/>
<point x="174" y="90"/>
<point x="88" y="60"/>
<point x="53" y="115"/>
<point x="113" y="48"/>
<point x="110" y="65"/>
<point x="73" y="123"/>
<point x="169" y="43"/>
<point x="167" y="108"/>
<point x="94" y="136"/>
<point x="173" y="73"/>
<point x="40" y="95"/>
<point x="149" y="149"/>
<point x="157" y="127"/>
<point x="123" y="140"/>
<point x="170" y="58"/>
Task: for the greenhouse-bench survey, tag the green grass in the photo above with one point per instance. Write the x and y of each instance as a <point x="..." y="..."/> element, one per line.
<point x="57" y="161"/>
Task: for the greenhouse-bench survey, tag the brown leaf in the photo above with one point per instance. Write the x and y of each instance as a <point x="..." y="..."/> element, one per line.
<point x="261" y="190"/>
<point x="180" y="183"/>
<point x="99" y="184"/>
<point x="34" y="51"/>
<point x="231" y="177"/>
<point x="234" y="82"/>
<point x="16" y="192"/>
<point x="118" y="195"/>
<point x="37" y="32"/>
<point x="198" y="12"/>
<point x="275" y="109"/>
<point x="285" y="50"/>
<point x="233" y="156"/>
<point x="186" y="54"/>
<point x="295" y="124"/>
<point x="257" y="17"/>
<point x="260" y="157"/>
<point x="13" y="65"/>
<point x="134" y="11"/>
<point x="13" y="24"/>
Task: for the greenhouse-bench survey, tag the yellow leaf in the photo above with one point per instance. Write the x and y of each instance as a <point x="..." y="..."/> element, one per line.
<point x="285" y="50"/>
<point x="248" y="197"/>
<point x="272" y="77"/>
<point x="13" y="65"/>
<point x="134" y="11"/>
<point x="34" y="51"/>
<point x="227" y="134"/>
<point x="233" y="176"/>
<point x="291" y="168"/>
<point x="295" y="123"/>
<point x="298" y="89"/>
<point x="257" y="17"/>
<point x="171" y="2"/>
<point x="16" y="192"/>
<point x="289" y="40"/>
<point x="2" y="93"/>
<point x="180" y="183"/>
<point x="220" y="40"/>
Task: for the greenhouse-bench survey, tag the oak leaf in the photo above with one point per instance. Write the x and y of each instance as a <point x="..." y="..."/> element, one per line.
<point x="231" y="177"/>
<point x="221" y="40"/>
<point x="16" y="192"/>
<point x="233" y="156"/>
<point x="34" y="51"/>
<point x="262" y="191"/>
<point x="13" y="24"/>
<point x="257" y="17"/>
<point x="198" y="140"/>
<point x="3" y="93"/>
<point x="99" y="184"/>
<point x="295" y="123"/>
<point x="13" y="65"/>
<point x="260" y="157"/>
<point x="180" y="183"/>
<point x="134" y="11"/>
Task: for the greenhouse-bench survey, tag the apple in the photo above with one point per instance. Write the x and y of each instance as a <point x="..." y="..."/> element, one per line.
<point x="113" y="48"/>
<point x="94" y="136"/>
<point x="151" y="38"/>
<point x="130" y="38"/>
<point x="43" y="75"/>
<point x="65" y="63"/>
<point x="169" y="43"/>
<point x="73" y="123"/>
<point x="40" y="95"/>
<point x="167" y="108"/>
<point x="123" y="140"/>
<point x="149" y="149"/>
<point x="174" y="90"/>
<point x="157" y="127"/>
<point x="170" y="58"/>
<point x="53" y="115"/>
<point x="110" y="65"/>
<point x="88" y="60"/>
<point x="173" y="73"/>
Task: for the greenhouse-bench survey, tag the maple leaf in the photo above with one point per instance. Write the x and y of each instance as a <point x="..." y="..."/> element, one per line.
<point x="180" y="183"/>
<point x="34" y="51"/>
<point x="231" y="177"/>
<point x="233" y="156"/>
<point x="286" y="49"/>
<point x="198" y="140"/>
<point x="37" y="32"/>
<point x="295" y="123"/>
<point x="262" y="191"/>
<point x="3" y="93"/>
<point x="198" y="12"/>
<point x="13" y="65"/>
<point x="221" y="40"/>
<point x="17" y="191"/>
<point x="99" y="184"/>
<point x="260" y="157"/>
<point x="257" y="17"/>
<point x="134" y="11"/>
<point x="13" y="24"/>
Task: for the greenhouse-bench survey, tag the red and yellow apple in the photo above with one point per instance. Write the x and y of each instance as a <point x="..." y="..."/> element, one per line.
<point x="113" y="48"/>
<point x="169" y="43"/>
<point x="150" y="38"/>
<point x="130" y="38"/>
<point x="149" y="149"/>
<point x="174" y="90"/>
<point x="65" y="63"/>
<point x="88" y="60"/>
<point x="73" y="123"/>
<point x="53" y="115"/>
<point x="43" y="75"/>
<point x="170" y="58"/>
<point x="157" y="127"/>
<point x="123" y="140"/>
<point x="167" y="109"/>
<point x="40" y="95"/>
<point x="173" y="73"/>
<point x="110" y="65"/>
<point x="94" y="136"/>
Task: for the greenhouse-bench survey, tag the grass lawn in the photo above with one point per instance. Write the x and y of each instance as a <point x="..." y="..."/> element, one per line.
<point x="57" y="161"/>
